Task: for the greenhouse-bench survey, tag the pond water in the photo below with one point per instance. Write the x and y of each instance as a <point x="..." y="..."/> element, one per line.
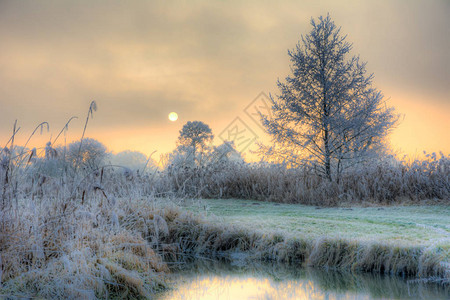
<point x="221" y="280"/>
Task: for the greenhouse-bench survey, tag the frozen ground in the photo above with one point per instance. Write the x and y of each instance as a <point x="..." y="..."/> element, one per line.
<point x="427" y="226"/>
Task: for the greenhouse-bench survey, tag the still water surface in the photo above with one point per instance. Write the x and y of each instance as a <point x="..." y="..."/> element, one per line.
<point x="215" y="280"/>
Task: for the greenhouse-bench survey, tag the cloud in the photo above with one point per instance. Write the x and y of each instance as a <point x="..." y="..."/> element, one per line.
<point x="204" y="59"/>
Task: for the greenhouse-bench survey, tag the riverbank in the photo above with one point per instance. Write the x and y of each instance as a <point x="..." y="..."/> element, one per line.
<point x="386" y="240"/>
<point x="120" y="248"/>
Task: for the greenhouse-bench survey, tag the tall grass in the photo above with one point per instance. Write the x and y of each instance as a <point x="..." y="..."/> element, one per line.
<point x="387" y="182"/>
<point x="70" y="250"/>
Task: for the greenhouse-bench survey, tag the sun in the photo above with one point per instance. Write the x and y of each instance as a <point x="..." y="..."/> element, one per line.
<point x="173" y="116"/>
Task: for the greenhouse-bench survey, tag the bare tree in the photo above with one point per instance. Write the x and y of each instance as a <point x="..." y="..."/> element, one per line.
<point x="328" y="108"/>
<point x="194" y="138"/>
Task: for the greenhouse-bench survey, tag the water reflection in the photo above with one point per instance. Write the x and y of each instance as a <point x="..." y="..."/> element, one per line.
<point x="222" y="280"/>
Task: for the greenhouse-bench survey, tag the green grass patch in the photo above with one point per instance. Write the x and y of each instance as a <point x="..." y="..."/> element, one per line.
<point x="414" y="226"/>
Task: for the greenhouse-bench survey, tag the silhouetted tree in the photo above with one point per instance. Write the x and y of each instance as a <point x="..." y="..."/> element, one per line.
<point x="194" y="138"/>
<point x="328" y="108"/>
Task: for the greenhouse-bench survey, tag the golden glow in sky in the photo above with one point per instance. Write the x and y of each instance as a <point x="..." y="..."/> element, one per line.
<point x="207" y="60"/>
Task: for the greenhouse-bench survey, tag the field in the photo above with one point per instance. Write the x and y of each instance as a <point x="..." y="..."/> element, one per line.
<point x="426" y="226"/>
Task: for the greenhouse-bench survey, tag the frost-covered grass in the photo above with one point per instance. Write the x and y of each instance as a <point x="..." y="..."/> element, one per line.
<point x="73" y="250"/>
<point x="389" y="181"/>
<point x="410" y="225"/>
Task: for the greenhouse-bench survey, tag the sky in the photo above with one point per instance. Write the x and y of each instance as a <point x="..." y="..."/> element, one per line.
<point x="208" y="61"/>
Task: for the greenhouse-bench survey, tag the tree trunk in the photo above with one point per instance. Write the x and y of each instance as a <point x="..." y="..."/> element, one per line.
<point x="193" y="152"/>
<point x="326" y="113"/>
<point x="326" y="138"/>
<point x="327" y="154"/>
